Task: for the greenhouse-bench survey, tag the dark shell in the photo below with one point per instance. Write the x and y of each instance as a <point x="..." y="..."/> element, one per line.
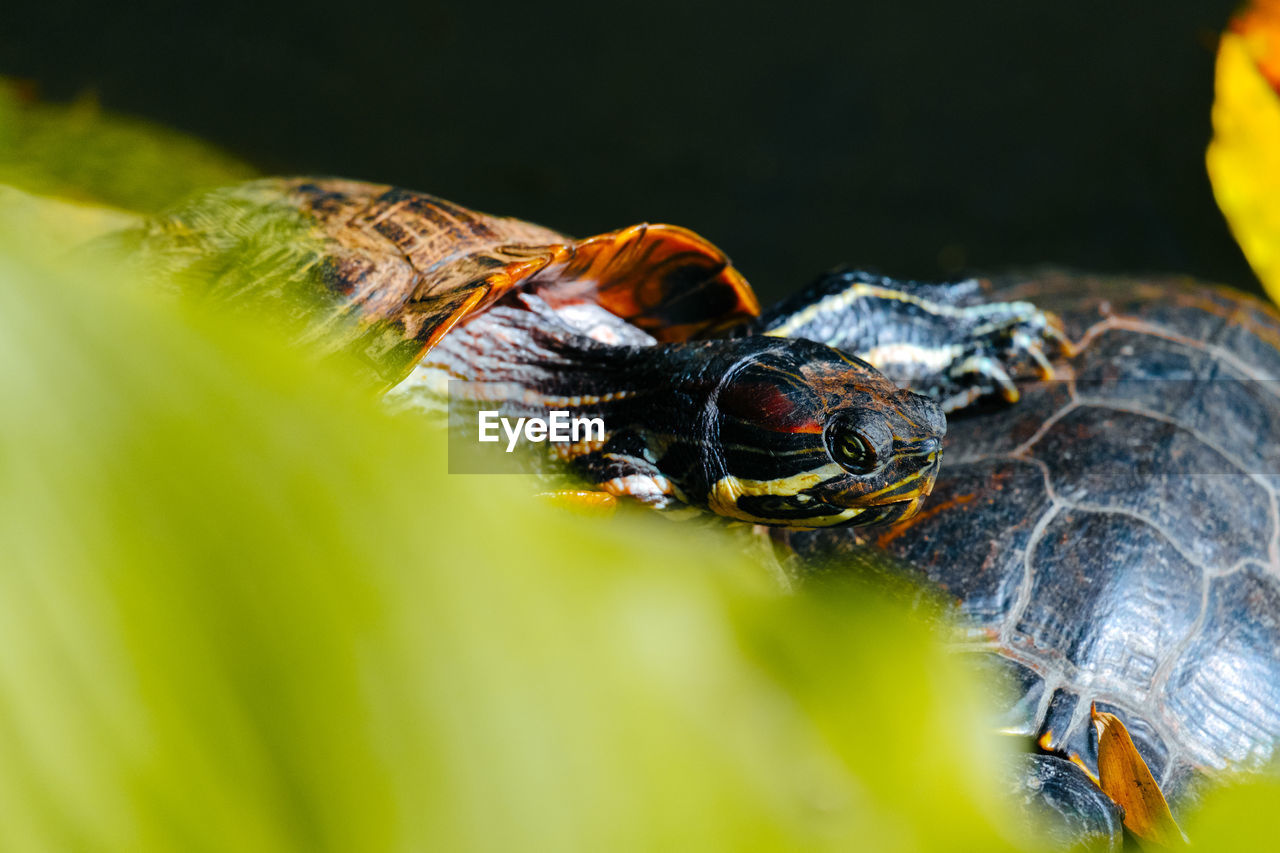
<point x="1114" y="535"/>
<point x="381" y="273"/>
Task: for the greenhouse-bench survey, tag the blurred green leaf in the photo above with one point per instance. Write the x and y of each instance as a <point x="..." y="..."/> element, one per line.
<point x="51" y="226"/>
<point x="79" y="152"/>
<point x="1240" y="816"/>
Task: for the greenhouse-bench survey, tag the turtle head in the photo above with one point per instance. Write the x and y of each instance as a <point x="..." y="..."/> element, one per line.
<point x="803" y="435"/>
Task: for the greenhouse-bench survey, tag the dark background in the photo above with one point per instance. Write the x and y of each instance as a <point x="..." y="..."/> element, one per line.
<point x="918" y="139"/>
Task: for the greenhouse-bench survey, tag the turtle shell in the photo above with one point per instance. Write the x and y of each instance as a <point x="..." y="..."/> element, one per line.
<point x="1115" y="535"/>
<point x="382" y="273"/>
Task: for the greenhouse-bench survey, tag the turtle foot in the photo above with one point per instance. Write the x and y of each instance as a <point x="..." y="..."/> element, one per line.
<point x="582" y="501"/>
<point x="1001" y="344"/>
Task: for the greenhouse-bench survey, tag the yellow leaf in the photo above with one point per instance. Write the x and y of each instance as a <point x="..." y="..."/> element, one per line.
<point x="1244" y="157"/>
<point x="1125" y="778"/>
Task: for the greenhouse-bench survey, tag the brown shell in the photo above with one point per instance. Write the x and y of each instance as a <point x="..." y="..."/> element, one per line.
<point x="383" y="273"/>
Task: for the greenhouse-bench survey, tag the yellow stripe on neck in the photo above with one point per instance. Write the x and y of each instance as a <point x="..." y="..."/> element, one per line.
<point x="722" y="499"/>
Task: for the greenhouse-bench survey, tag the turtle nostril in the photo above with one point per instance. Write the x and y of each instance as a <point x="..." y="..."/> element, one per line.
<point x="935" y="418"/>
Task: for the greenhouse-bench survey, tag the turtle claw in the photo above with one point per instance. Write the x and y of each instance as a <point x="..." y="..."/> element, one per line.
<point x="991" y="377"/>
<point x="1056" y="332"/>
<point x="1035" y="352"/>
<point x="976" y="377"/>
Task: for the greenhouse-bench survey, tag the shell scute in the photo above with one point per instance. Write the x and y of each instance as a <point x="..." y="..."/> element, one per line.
<point x="1225" y="691"/>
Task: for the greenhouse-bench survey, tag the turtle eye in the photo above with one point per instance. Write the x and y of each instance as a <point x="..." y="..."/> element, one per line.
<point x="852" y="450"/>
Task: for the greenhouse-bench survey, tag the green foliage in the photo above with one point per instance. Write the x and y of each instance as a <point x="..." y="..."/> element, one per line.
<point x="53" y="226"/>
<point x="78" y="152"/>
<point x="1236" y="817"/>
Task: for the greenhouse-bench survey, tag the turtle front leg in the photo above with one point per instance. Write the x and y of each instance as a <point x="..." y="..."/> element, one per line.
<point x="940" y="340"/>
<point x="620" y="469"/>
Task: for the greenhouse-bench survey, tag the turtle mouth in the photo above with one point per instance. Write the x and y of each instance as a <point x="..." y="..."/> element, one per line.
<point x="935" y="463"/>
<point x="912" y="488"/>
<point x="818" y="507"/>
<point x="928" y="479"/>
<point x="893" y="511"/>
<point x="899" y="501"/>
<point x="913" y="505"/>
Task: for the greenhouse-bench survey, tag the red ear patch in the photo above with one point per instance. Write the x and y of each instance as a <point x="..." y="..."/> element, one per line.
<point x="767" y="405"/>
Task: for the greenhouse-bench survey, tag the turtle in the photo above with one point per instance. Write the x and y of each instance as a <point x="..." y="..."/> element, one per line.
<point x="1114" y="538"/>
<point x="705" y="402"/>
